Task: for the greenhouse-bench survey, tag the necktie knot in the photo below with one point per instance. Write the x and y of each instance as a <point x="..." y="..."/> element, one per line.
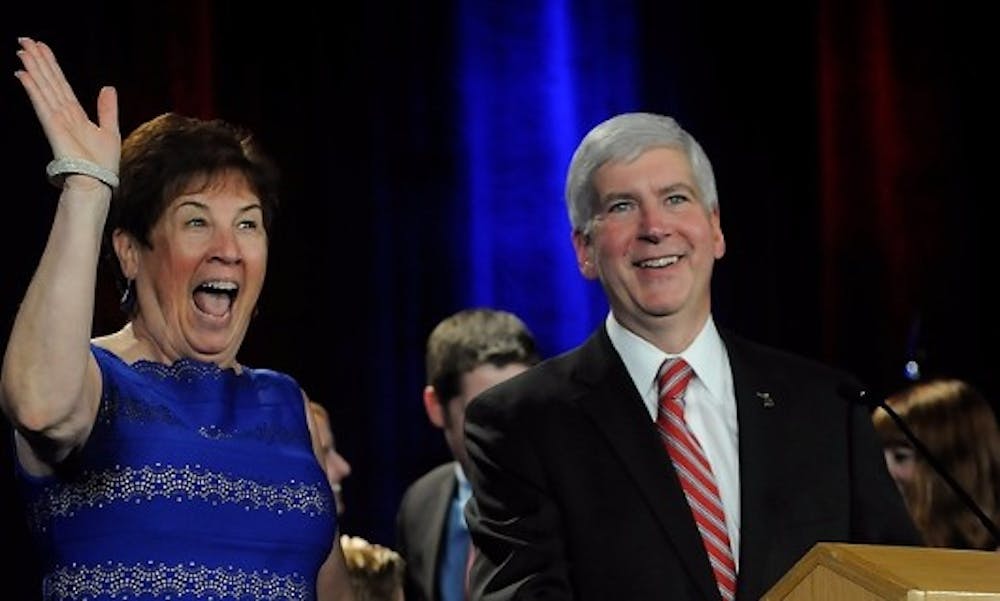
<point x="673" y="378"/>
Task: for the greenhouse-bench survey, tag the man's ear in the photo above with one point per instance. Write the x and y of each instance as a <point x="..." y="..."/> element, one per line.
<point x="433" y="406"/>
<point x="719" y="240"/>
<point x="127" y="250"/>
<point x="581" y="245"/>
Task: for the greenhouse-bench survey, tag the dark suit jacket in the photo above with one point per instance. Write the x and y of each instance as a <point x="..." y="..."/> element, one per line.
<point x="421" y="525"/>
<point x="574" y="496"/>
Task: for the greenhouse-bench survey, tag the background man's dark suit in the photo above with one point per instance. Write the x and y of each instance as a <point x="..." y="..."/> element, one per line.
<point x="421" y="524"/>
<point x="569" y="469"/>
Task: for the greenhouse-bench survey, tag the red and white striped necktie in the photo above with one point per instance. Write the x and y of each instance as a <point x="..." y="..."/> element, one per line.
<point x="695" y="473"/>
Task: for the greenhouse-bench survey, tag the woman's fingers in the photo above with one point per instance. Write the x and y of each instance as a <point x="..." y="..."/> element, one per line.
<point x="107" y="110"/>
<point x="60" y="86"/>
<point x="69" y="129"/>
<point x="59" y="100"/>
<point x="39" y="100"/>
<point x="41" y="74"/>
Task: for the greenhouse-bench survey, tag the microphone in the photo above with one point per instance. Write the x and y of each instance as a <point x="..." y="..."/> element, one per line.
<point x="859" y="395"/>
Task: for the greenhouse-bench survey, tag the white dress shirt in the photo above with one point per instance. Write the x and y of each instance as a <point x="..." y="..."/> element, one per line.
<point x="709" y="404"/>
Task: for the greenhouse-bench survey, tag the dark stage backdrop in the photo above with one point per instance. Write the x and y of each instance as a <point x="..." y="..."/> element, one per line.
<point x="424" y="145"/>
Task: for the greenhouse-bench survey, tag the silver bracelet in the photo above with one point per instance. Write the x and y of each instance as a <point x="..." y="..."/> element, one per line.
<point x="57" y="169"/>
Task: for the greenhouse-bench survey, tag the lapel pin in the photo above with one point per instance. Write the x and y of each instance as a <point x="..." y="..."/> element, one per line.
<point x="765" y="399"/>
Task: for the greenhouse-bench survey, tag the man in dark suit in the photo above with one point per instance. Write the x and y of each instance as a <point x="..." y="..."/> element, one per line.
<point x="572" y="463"/>
<point x="467" y="353"/>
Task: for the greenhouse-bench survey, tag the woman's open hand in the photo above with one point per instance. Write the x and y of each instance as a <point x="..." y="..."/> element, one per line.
<point x="70" y="131"/>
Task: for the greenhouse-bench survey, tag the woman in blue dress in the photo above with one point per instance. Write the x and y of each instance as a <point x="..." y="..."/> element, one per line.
<point x="154" y="465"/>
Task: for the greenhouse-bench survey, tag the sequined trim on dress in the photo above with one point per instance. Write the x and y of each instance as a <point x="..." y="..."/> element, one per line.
<point x="182" y="370"/>
<point x="188" y="581"/>
<point x="128" y="484"/>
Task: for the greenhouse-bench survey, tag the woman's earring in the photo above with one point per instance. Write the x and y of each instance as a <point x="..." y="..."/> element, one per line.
<point x="127" y="301"/>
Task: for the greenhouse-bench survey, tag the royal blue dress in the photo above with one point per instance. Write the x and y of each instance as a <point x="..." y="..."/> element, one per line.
<point x="195" y="483"/>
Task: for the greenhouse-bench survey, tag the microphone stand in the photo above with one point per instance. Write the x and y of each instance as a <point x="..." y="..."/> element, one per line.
<point x="863" y="397"/>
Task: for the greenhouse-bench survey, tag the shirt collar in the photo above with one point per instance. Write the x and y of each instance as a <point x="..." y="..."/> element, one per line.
<point x="464" y="488"/>
<point x="643" y="360"/>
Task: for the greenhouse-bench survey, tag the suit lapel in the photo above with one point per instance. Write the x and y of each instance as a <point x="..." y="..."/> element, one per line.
<point x="760" y="398"/>
<point x="617" y="410"/>
<point x="438" y="509"/>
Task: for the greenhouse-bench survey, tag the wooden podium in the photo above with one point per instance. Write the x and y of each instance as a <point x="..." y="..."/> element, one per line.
<point x="854" y="572"/>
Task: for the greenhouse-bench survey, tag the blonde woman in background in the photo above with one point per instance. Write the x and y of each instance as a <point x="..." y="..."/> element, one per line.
<point x="375" y="571"/>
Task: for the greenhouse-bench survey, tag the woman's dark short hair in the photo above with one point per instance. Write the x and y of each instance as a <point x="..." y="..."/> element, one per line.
<point x="173" y="154"/>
